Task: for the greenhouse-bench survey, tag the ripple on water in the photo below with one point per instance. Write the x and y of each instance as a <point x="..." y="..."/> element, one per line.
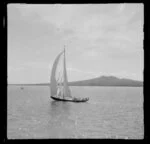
<point x="110" y="113"/>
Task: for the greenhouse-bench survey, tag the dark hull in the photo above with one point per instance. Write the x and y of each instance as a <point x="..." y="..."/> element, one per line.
<point x="73" y="100"/>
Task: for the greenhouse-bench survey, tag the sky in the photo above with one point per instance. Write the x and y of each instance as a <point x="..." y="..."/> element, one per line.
<point x="100" y="39"/>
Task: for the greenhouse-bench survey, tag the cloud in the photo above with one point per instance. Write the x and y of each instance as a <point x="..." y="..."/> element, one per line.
<point x="32" y="72"/>
<point x="121" y="7"/>
<point x="80" y="71"/>
<point x="91" y="54"/>
<point x="15" y="69"/>
<point x="78" y="22"/>
<point x="77" y="74"/>
<point x="96" y="37"/>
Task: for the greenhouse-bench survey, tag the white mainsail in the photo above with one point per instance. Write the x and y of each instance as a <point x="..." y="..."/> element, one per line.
<point x="60" y="87"/>
<point x="53" y="78"/>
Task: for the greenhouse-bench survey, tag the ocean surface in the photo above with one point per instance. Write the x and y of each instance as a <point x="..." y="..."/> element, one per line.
<point x="111" y="112"/>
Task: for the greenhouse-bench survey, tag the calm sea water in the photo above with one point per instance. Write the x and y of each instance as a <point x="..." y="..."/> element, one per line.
<point x="111" y="112"/>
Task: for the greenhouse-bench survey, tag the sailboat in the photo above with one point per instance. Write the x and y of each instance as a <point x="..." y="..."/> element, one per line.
<point x="60" y="90"/>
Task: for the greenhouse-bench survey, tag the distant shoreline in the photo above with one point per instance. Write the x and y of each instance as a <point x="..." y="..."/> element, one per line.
<point x="105" y="81"/>
<point x="71" y="85"/>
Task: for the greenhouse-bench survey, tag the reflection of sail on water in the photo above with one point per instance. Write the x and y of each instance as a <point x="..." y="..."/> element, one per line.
<point x="59" y="82"/>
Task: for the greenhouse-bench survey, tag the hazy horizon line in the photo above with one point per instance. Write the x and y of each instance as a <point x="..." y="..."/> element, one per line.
<point x="75" y="81"/>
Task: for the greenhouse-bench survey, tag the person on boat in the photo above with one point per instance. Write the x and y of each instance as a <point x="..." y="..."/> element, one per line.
<point x="74" y="98"/>
<point x="59" y="90"/>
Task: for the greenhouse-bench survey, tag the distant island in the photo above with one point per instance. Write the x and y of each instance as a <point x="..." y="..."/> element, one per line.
<point x="108" y="81"/>
<point x="101" y="81"/>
